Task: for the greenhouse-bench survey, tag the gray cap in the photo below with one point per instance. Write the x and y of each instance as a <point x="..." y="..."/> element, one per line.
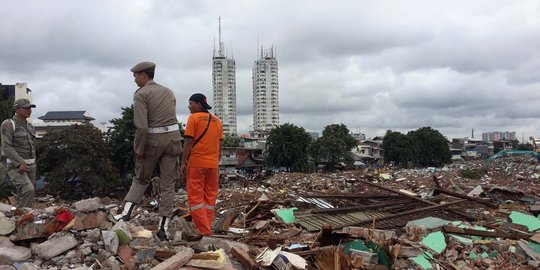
<point x="23" y="103"/>
<point x="143" y="66"/>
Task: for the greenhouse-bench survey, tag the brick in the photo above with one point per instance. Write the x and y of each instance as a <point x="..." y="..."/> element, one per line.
<point x="244" y="258"/>
<point x="30" y="231"/>
<point x="126" y="254"/>
<point x="91" y="220"/>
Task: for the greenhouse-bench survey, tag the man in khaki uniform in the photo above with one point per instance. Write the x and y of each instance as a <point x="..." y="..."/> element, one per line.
<point x="18" y="139"/>
<point x="157" y="139"/>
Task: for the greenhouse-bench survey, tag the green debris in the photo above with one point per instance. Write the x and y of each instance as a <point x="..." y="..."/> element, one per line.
<point x="287" y="215"/>
<point x="122" y="237"/>
<point x="484" y="255"/>
<point x="473" y="255"/>
<point x="384" y="259"/>
<point x="358" y="245"/>
<point x="463" y="240"/>
<point x="422" y="261"/>
<point x="385" y="176"/>
<point x="435" y="241"/>
<point x="531" y="222"/>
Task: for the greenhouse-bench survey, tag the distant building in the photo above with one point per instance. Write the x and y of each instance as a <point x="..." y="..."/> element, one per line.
<point x="498" y="135"/>
<point x="469" y="148"/>
<point x="224" y="83"/>
<point x="16" y="91"/>
<point x="359" y="136"/>
<point x="60" y="120"/>
<point x="265" y="91"/>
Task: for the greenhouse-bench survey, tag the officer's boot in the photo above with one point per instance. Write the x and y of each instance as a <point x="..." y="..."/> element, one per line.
<point x="163" y="226"/>
<point x="126" y="213"/>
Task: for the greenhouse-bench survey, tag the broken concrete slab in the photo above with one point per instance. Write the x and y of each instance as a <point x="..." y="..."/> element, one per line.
<point x="7" y="225"/>
<point x="6" y="208"/>
<point x="220" y="243"/>
<point x="88" y="205"/>
<point x="14" y="253"/>
<point x="183" y="255"/>
<point x="424" y="226"/>
<point x="91" y="220"/>
<point x="56" y="246"/>
<point x="110" y="240"/>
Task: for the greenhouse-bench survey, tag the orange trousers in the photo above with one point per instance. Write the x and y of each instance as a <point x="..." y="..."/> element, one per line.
<point x="202" y="190"/>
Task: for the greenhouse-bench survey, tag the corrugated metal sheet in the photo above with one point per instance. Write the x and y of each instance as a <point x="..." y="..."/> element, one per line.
<point x="314" y="222"/>
<point x="319" y="202"/>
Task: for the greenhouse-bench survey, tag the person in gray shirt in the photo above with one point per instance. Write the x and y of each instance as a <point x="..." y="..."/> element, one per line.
<point x="18" y="147"/>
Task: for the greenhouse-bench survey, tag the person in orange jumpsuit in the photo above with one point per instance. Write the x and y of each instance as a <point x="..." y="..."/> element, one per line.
<point x="203" y="139"/>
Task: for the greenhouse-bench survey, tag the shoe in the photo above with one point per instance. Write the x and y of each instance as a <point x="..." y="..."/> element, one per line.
<point x="162" y="235"/>
<point x="163" y="226"/>
<point x="126" y="213"/>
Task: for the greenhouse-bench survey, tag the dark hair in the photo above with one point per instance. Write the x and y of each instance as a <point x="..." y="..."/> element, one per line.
<point x="149" y="72"/>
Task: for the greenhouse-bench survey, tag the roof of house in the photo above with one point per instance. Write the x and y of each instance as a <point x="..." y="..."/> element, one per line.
<point x="66" y="115"/>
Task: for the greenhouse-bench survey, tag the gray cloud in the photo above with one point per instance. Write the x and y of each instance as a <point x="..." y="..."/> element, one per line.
<point x="372" y="65"/>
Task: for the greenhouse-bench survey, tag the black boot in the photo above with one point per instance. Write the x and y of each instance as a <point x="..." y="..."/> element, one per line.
<point x="126" y="213"/>
<point x="163" y="226"/>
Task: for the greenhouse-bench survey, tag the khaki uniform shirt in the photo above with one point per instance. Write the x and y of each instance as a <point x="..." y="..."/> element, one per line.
<point x="18" y="144"/>
<point x="154" y="106"/>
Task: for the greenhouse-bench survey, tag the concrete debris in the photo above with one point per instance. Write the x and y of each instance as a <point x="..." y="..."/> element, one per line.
<point x="383" y="218"/>
<point x="88" y="205"/>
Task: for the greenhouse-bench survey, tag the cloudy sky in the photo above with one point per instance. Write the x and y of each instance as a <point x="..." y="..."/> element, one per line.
<point x="372" y="65"/>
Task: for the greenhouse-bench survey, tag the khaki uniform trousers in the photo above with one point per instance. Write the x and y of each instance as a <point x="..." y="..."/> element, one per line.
<point x="163" y="148"/>
<point x="25" y="184"/>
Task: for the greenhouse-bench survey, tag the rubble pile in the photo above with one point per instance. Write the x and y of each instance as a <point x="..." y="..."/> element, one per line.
<point x="431" y="218"/>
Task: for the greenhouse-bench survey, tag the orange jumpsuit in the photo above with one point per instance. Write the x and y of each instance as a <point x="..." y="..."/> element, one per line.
<point x="203" y="169"/>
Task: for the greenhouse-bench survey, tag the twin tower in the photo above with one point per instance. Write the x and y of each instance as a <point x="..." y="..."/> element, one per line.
<point x="265" y="89"/>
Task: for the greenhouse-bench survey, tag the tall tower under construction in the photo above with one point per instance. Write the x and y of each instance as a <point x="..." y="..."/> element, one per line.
<point x="224" y="84"/>
<point x="265" y="91"/>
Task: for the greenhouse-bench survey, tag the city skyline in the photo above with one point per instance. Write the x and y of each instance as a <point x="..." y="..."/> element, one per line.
<point x="372" y="65"/>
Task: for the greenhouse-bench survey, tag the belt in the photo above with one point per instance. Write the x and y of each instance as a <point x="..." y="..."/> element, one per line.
<point x="165" y="129"/>
<point x="27" y="161"/>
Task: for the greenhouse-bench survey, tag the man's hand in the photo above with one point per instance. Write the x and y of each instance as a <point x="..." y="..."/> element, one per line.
<point x="182" y="173"/>
<point x="23" y="168"/>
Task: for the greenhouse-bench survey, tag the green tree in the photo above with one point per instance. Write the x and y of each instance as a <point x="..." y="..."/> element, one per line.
<point x="120" y="138"/>
<point x="525" y="146"/>
<point x="397" y="147"/>
<point x="430" y="147"/>
<point x="75" y="162"/>
<point x="287" y="146"/>
<point x="335" y="146"/>
<point x="231" y="141"/>
<point x="6" y="105"/>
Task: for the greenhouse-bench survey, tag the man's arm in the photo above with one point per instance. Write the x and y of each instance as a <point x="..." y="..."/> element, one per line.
<point x="7" y="143"/>
<point x="188" y="145"/>
<point x="141" y="123"/>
